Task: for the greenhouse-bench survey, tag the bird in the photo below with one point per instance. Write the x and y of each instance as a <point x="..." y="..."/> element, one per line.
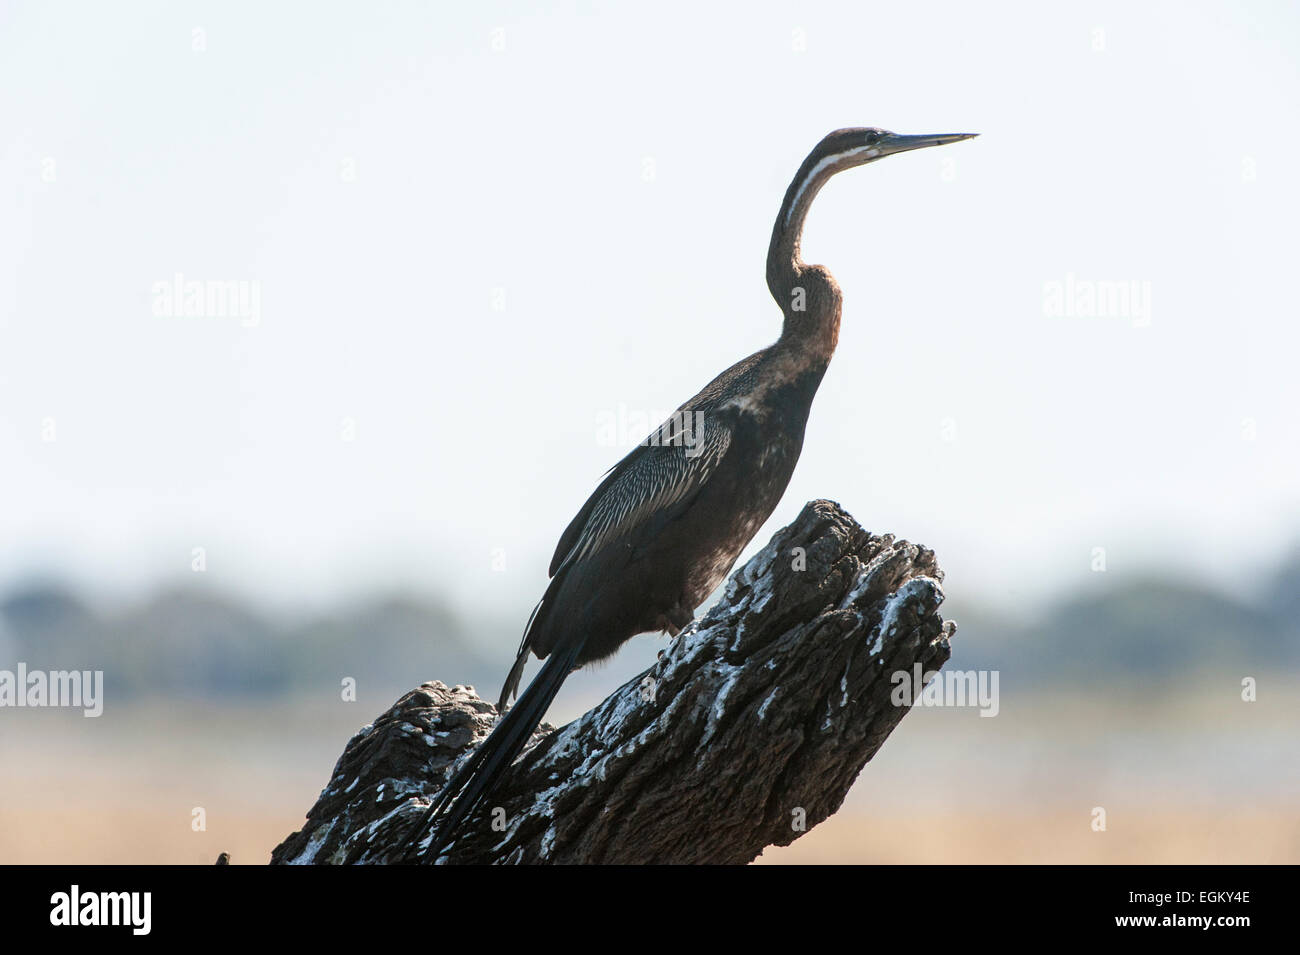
<point x="668" y="521"/>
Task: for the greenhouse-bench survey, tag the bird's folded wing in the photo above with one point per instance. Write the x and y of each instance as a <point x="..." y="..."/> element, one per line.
<point x="646" y="488"/>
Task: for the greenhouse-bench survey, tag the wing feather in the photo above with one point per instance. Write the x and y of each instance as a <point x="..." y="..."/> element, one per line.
<point x="658" y="474"/>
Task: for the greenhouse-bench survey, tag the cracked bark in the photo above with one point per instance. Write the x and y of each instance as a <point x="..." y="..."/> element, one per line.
<point x="748" y="731"/>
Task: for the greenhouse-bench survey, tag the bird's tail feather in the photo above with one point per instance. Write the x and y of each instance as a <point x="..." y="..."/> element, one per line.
<point x="512" y="678"/>
<point x="480" y="774"/>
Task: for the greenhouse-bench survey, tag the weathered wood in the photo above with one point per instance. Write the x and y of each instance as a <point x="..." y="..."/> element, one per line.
<point x="748" y="731"/>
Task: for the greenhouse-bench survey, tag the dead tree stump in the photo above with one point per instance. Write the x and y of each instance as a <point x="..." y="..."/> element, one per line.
<point x="748" y="731"/>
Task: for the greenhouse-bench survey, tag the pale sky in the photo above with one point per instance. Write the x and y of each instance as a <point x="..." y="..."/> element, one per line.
<point x="475" y="232"/>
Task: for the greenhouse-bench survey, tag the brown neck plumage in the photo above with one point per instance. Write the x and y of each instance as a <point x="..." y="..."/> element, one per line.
<point x="807" y="294"/>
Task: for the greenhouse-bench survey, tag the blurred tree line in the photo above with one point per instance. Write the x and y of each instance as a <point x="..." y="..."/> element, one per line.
<point x="187" y="642"/>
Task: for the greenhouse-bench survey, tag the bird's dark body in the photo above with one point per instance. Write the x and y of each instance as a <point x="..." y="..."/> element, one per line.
<point x="668" y="522"/>
<point x="654" y="579"/>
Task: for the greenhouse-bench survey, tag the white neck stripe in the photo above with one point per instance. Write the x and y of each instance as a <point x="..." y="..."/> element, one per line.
<point x="868" y="151"/>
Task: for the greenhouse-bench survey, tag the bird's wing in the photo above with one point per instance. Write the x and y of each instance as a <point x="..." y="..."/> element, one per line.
<point x="651" y="486"/>
<point x="667" y="469"/>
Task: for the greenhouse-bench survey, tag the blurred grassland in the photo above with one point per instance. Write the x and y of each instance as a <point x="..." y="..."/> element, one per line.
<point x="1196" y="776"/>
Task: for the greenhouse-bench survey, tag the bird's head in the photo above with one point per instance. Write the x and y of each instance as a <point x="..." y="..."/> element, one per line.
<point x="840" y="150"/>
<point x="808" y="295"/>
<point x="846" y="148"/>
<point x="856" y="146"/>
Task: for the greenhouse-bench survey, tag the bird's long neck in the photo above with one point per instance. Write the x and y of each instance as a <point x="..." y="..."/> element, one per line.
<point x="783" y="256"/>
<point x="808" y="295"/>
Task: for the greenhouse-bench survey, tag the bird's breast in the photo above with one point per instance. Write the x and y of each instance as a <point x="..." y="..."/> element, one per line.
<point x="741" y="497"/>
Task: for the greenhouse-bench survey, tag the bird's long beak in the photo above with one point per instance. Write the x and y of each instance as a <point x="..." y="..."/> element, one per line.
<point x="894" y="143"/>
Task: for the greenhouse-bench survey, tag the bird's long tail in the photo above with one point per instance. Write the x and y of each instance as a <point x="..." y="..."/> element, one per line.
<point x="480" y="774"/>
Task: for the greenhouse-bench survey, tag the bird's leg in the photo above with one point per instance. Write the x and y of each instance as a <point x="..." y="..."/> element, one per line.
<point x="675" y="619"/>
<point x="673" y="622"/>
<point x="666" y="626"/>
